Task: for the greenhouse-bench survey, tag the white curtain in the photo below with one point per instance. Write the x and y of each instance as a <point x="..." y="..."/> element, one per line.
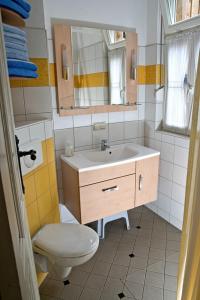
<point x="116" y="62"/>
<point x="181" y="71"/>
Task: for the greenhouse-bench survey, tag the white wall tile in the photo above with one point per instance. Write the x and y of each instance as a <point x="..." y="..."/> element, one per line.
<point x="62" y="122"/>
<point x="150" y="111"/>
<point x="177" y="210"/>
<point x="166" y="169"/>
<point x="181" y="156"/>
<point x="141" y="109"/>
<point x="82" y="120"/>
<point x="116" y="132"/>
<point x="179" y="175"/>
<point x="177" y="223"/>
<point x="83" y="136"/>
<point x="51" y="51"/>
<point x="98" y="135"/>
<point x="182" y="142"/>
<point x="115" y="117"/>
<point x="36" y="18"/>
<point x="130" y="130"/>
<point x="23" y="135"/>
<point x="167" y="138"/>
<point x="63" y="136"/>
<point x="178" y="193"/>
<point x="165" y="187"/>
<point x="167" y="152"/>
<point x="48" y="129"/>
<point x="37" y="99"/>
<point x="141" y="56"/>
<point x="37" y="43"/>
<point x="37" y="131"/>
<point x="131" y="115"/>
<point x="164" y="202"/>
<point x="18" y="101"/>
<point x="101" y="117"/>
<point x="141" y="97"/>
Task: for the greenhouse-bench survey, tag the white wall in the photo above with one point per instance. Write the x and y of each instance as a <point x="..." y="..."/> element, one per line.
<point x="126" y="13"/>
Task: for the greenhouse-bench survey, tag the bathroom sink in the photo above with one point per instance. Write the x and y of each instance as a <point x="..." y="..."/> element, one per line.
<point x="110" y="155"/>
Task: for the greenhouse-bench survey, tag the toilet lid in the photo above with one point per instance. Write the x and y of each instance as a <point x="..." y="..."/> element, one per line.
<point x="66" y="240"/>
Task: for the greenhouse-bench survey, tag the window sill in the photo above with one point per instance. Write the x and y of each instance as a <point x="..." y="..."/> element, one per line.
<point x="178" y="135"/>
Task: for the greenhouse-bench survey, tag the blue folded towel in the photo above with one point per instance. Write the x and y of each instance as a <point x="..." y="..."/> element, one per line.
<point x="17" y="54"/>
<point x="8" y="39"/>
<point x="15" y="36"/>
<point x="13" y="63"/>
<point x="16" y="46"/>
<point x="13" y="29"/>
<point x="9" y="4"/>
<point x="15" y="72"/>
<point x="23" y="4"/>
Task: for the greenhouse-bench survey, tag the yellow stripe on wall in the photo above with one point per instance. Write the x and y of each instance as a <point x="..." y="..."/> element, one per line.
<point x="91" y="80"/>
<point x="42" y="80"/>
<point x="150" y="74"/>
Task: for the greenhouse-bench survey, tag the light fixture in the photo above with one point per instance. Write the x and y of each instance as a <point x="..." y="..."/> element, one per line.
<point x="65" y="67"/>
<point x="133" y="65"/>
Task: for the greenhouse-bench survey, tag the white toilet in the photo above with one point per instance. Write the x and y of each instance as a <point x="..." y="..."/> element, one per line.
<point x="59" y="247"/>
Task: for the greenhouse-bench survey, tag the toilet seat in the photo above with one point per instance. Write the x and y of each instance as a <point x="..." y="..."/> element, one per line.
<point x="66" y="240"/>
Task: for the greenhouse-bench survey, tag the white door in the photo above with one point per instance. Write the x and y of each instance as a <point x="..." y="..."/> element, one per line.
<point x="14" y="198"/>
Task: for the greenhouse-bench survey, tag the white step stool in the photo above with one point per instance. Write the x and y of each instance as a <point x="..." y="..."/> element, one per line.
<point x="102" y="222"/>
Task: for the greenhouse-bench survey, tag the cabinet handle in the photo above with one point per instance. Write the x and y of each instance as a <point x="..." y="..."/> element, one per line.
<point x="111" y="189"/>
<point x="140" y="182"/>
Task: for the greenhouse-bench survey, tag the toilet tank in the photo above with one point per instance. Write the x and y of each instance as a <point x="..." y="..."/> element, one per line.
<point x="66" y="216"/>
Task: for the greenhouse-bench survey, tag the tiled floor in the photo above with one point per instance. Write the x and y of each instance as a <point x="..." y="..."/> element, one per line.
<point x="150" y="273"/>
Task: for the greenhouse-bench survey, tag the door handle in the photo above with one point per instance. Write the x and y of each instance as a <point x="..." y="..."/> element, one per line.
<point x="140" y="182"/>
<point x="111" y="189"/>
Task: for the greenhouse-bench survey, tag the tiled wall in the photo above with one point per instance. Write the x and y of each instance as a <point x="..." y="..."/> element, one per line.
<point x="41" y="194"/>
<point x="32" y="97"/>
<point x="174" y="152"/>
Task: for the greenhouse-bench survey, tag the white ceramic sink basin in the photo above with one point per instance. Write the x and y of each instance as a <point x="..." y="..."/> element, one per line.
<point x="110" y="155"/>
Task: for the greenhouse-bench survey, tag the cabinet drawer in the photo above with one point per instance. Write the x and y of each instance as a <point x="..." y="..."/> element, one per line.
<point x="107" y="198"/>
<point x="94" y="176"/>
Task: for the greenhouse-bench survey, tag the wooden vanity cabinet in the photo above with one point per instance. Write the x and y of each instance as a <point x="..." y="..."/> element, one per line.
<point x="95" y="194"/>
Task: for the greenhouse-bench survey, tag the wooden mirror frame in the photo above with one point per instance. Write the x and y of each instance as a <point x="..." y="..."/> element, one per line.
<point x="65" y="88"/>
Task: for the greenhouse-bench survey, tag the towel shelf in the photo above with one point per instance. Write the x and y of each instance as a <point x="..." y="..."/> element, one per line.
<point x="11" y="18"/>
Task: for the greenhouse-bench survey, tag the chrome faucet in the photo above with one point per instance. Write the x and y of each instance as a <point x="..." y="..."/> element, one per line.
<point x="104" y="145"/>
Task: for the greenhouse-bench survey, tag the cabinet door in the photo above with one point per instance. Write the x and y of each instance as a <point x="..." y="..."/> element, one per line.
<point x="146" y="180"/>
<point x="107" y="198"/>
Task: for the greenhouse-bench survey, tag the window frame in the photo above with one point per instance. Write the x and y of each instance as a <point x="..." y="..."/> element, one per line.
<point x="179" y="26"/>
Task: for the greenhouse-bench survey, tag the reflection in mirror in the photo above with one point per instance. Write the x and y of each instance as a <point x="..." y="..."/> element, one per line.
<point x="99" y="66"/>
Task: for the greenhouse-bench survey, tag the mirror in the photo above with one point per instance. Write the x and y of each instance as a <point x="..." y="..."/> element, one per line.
<point x="99" y="66"/>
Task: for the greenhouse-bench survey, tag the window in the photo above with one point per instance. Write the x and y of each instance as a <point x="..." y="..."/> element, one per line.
<point x="182" y="58"/>
<point x="180" y="10"/>
<point x="186" y="9"/>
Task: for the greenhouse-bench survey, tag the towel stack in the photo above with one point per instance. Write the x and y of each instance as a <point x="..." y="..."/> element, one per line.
<point x="21" y="7"/>
<point x="16" y="42"/>
<point x="17" y="53"/>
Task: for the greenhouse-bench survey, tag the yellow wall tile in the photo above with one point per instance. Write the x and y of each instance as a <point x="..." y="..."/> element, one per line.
<point x="52" y="173"/>
<point x="44" y="206"/>
<point x="30" y="190"/>
<point x="52" y="74"/>
<point x="33" y="218"/>
<point x="43" y="75"/>
<point x="91" y="80"/>
<point x="50" y="150"/>
<point x="42" y="181"/>
<point x="54" y="196"/>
